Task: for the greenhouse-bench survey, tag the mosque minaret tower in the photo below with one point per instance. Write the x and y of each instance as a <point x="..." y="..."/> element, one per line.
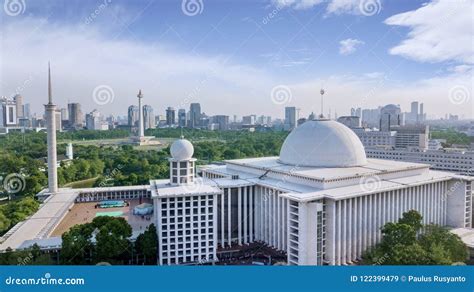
<point x="51" y="129"/>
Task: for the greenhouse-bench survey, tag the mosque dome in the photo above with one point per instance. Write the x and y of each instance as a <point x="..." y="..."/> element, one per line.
<point x="182" y="149"/>
<point x="323" y="143"/>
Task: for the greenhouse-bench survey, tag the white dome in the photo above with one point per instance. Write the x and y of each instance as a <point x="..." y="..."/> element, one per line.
<point x="323" y="143"/>
<point x="182" y="149"/>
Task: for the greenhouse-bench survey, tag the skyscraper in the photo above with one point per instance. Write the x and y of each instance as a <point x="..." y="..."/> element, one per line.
<point x="195" y="115"/>
<point x="182" y="117"/>
<point x="8" y="113"/>
<point x="27" y="111"/>
<point x="133" y="116"/>
<point x="414" y="112"/>
<point x="148" y="117"/>
<point x="93" y="120"/>
<point x="170" y="116"/>
<point x="76" y="119"/>
<point x="19" y="106"/>
<point x="290" y="117"/>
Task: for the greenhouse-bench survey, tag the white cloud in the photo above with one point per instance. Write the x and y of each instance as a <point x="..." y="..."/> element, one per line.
<point x="298" y="4"/>
<point x="349" y="46"/>
<point x="83" y="58"/>
<point x="440" y="31"/>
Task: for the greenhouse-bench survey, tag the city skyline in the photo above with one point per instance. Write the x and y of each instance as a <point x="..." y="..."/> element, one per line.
<point x="225" y="73"/>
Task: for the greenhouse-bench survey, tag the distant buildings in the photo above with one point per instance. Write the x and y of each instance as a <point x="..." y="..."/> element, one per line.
<point x="133" y="116"/>
<point x="390" y="117"/>
<point x="249" y="120"/>
<point x="290" y="118"/>
<point x="182" y="118"/>
<point x="76" y="119"/>
<point x="8" y="115"/>
<point x="350" y="121"/>
<point x="148" y="117"/>
<point x="95" y="121"/>
<point x="194" y="115"/>
<point x="19" y="106"/>
<point x="221" y="122"/>
<point x="170" y="116"/>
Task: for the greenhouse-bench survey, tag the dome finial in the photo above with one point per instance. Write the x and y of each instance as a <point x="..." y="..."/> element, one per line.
<point x="322" y="103"/>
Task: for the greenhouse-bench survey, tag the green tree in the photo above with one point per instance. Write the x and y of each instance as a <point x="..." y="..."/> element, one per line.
<point x="147" y="245"/>
<point x="112" y="240"/>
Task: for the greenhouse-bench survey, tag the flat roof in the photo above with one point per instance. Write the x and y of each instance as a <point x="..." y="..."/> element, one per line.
<point x="374" y="166"/>
<point x="162" y="188"/>
<point x="40" y="224"/>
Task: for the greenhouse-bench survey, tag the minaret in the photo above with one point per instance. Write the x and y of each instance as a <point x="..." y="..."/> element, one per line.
<point x="51" y="128"/>
<point x="141" y="131"/>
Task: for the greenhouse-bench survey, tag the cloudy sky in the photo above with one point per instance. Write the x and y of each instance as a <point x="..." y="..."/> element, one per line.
<point x="241" y="57"/>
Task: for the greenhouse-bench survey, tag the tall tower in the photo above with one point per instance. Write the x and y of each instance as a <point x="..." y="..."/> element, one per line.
<point x="51" y="129"/>
<point x="141" y="131"/>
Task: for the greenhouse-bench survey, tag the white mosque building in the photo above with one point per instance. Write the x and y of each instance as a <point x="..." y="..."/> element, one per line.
<point x="321" y="202"/>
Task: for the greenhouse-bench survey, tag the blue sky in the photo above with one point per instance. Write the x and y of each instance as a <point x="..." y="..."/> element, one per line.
<point x="232" y="54"/>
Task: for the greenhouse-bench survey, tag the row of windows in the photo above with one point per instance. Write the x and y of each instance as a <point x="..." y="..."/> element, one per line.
<point x="172" y="220"/>
<point x="187" y="199"/>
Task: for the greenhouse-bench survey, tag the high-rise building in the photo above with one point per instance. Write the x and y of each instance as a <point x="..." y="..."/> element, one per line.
<point x="221" y="121"/>
<point x="148" y="117"/>
<point x="76" y="119"/>
<point x="248" y="120"/>
<point x="182" y="117"/>
<point x="195" y="115"/>
<point x="27" y="111"/>
<point x="8" y="113"/>
<point x="19" y="106"/>
<point x="93" y="120"/>
<point x="170" y="116"/>
<point x="290" y="118"/>
<point x="413" y="117"/>
<point x="390" y="117"/>
<point x="133" y="116"/>
<point x="422" y="113"/>
<point x="64" y="114"/>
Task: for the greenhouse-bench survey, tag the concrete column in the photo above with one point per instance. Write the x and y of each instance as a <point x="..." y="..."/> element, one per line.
<point x="229" y="218"/>
<point x="246" y="235"/>
<point x="141" y="131"/>
<point x="239" y="214"/>
<point x="251" y="211"/>
<point x="222" y="217"/>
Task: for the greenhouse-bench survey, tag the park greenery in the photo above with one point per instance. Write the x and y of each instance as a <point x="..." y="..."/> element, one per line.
<point x="452" y="137"/>
<point x="114" y="164"/>
<point x="409" y="242"/>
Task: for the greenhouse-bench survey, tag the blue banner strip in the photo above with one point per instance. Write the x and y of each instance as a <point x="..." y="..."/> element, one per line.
<point x="242" y="278"/>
